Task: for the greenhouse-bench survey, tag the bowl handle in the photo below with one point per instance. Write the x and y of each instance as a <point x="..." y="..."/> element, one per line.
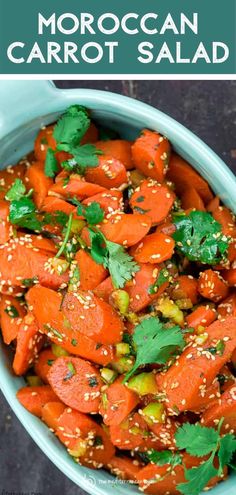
<point x="22" y="99"/>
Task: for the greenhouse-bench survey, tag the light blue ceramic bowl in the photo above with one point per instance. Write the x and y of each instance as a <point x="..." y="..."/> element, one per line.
<point x="24" y="107"/>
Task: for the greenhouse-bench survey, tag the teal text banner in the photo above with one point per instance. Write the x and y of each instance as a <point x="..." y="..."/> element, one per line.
<point x="88" y="37"/>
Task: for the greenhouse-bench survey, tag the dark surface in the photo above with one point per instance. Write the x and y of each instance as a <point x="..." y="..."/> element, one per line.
<point x="208" y="108"/>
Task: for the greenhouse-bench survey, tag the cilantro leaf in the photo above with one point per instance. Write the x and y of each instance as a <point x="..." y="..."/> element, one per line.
<point x="51" y="165"/>
<point x="72" y="125"/>
<point x="165" y="457"/>
<point x="197" y="478"/>
<point x="12" y="311"/>
<point x="98" y="247"/>
<point x="155" y="343"/>
<point x="163" y="277"/>
<point x="226" y="450"/>
<point x="92" y="213"/>
<point x="16" y="191"/>
<point x="196" y="439"/>
<point x="86" y="155"/>
<point x="199" y="237"/>
<point x="22" y="213"/>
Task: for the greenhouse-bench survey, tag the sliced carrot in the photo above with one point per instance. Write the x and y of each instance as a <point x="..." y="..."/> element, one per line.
<point x="186" y="287"/>
<point x="20" y="261"/>
<point x="38" y="242"/>
<point x="43" y="141"/>
<point x="34" y="398"/>
<point x="206" y="397"/>
<point x="230" y="277"/>
<point x="212" y="286"/>
<point x="184" y="176"/>
<point x="124" y="467"/>
<point x="52" y="204"/>
<point x="91" y="134"/>
<point x="28" y="343"/>
<point x="117" y="403"/>
<point x="47" y="307"/>
<point x="166" y="227"/>
<point x="130" y="433"/>
<point x="74" y="186"/>
<point x="78" y="430"/>
<point x="150" y="153"/>
<point x="91" y="273"/>
<point x="227" y="307"/>
<point x="109" y="173"/>
<point x="154" y="199"/>
<point x="9" y="175"/>
<point x="110" y="201"/>
<point x="126" y="229"/>
<point x="51" y="412"/>
<point x="161" y="436"/>
<point x="104" y="289"/>
<point x="140" y="288"/>
<point x="213" y="204"/>
<point x="224" y="407"/>
<point x="43" y="364"/>
<point x="225" y="377"/>
<point x="201" y="316"/>
<point x="154" y="248"/>
<point x="196" y="367"/>
<point x="118" y="149"/>
<point x="190" y="198"/>
<point x="5" y="226"/>
<point x="11" y="313"/>
<point x="226" y="218"/>
<point x="39" y="182"/>
<point x="76" y="382"/>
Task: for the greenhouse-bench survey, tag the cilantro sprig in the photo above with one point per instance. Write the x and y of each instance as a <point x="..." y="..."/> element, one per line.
<point x="155" y="343"/>
<point x="199" y="237"/>
<point x="165" y="457"/>
<point x="163" y="276"/>
<point x="92" y="213"/>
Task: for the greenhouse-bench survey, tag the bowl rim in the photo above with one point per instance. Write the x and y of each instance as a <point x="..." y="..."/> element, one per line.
<point x="209" y="165"/>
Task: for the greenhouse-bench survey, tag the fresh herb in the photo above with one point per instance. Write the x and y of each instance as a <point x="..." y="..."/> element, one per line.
<point x="53" y="330"/>
<point x="140" y="199"/>
<point x="50" y="362"/>
<point x="12" y="311"/>
<point x="163" y="277"/>
<point x="127" y="338"/>
<point x="72" y="371"/>
<point x="200" y="441"/>
<point x="92" y="213"/>
<point x="56" y="218"/>
<point x="29" y="282"/>
<point x="23" y="214"/>
<point x="199" y="237"/>
<point x="218" y="349"/>
<point x="16" y="191"/>
<point x="66" y="238"/>
<point x="165" y="457"/>
<point x="140" y="210"/>
<point x="74" y="342"/>
<point x="97" y="441"/>
<point x="51" y="165"/>
<point x="113" y="257"/>
<point x="93" y="381"/>
<point x="155" y="343"/>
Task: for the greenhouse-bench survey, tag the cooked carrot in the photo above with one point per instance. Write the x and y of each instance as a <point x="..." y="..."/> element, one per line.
<point x="46" y="306"/>
<point x="184" y="176"/>
<point x="201" y="316"/>
<point x="9" y="175"/>
<point x="230" y="277"/>
<point x="91" y="273"/>
<point x="124" y="467"/>
<point x="186" y="287"/>
<point x="104" y="289"/>
<point x="109" y="173"/>
<point x="190" y="198"/>
<point x="225" y="217"/>
<point x="130" y="433"/>
<point x="227" y="307"/>
<point x="83" y="435"/>
<point x="166" y="227"/>
<point x="126" y="229"/>
<point x="11" y="313"/>
<point x="224" y="407"/>
<point x="212" y="286"/>
<point x="51" y="412"/>
<point x="76" y="382"/>
<point x="27" y="262"/>
<point x="161" y="436"/>
<point x="213" y="204"/>
<point x="34" y="398"/>
<point x="150" y="153"/>
<point x="225" y="377"/>
<point x="28" y="343"/>
<point x="206" y="397"/>
<point x="5" y="226"/>
<point x="39" y="182"/>
<point x="154" y="199"/>
<point x="43" y="364"/>
<point x="76" y="186"/>
<point x="91" y="134"/>
<point x="43" y="141"/>
<point x="52" y="204"/>
<point x="38" y="242"/>
<point x="110" y="201"/>
<point x="140" y="288"/>
<point x="154" y="248"/>
<point x="196" y="367"/>
<point x="117" y="403"/>
<point x="118" y="149"/>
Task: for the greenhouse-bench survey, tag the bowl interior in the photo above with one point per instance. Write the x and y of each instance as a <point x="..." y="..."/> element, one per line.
<point x="15" y="145"/>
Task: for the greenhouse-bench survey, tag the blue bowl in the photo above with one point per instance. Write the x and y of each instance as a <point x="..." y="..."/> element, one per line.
<point x="24" y="107"/>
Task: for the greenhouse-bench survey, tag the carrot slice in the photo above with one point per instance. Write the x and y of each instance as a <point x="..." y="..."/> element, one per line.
<point x="20" y="261"/>
<point x="126" y="229"/>
<point x="201" y="316"/>
<point x="192" y="199"/>
<point x="230" y="277"/>
<point x="91" y="273"/>
<point x="212" y="286"/>
<point x="150" y="153"/>
<point x="227" y="307"/>
<point x="154" y="248"/>
<point x="77" y="383"/>
<point x="162" y="436"/>
<point x="91" y="134"/>
<point x="74" y="186"/>
<point x="43" y="364"/>
<point x="140" y="288"/>
<point x="110" y="201"/>
<point x="226" y="218"/>
<point x="9" y="175"/>
<point x="39" y="182"/>
<point x="124" y="467"/>
<point x="5" y="226"/>
<point x="130" y="433"/>
<point x="46" y="306"/>
<point x="213" y="204"/>
<point x="118" y="149"/>
<point x="34" y="398"/>
<point x="52" y="204"/>
<point x="38" y="242"/>
<point x="197" y="367"/>
<point x="29" y="342"/>
<point x="224" y="407"/>
<point x="166" y="227"/>
<point x="184" y="177"/>
<point x="186" y="287"/>
<point x="11" y="313"/>
<point x="51" y="412"/>
<point x="154" y="199"/>
<point x="104" y="289"/>
<point x="109" y="173"/>
<point x="117" y="403"/>
<point x="43" y="141"/>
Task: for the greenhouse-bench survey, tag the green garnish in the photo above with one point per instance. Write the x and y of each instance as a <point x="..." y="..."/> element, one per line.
<point x="165" y="457"/>
<point x="50" y="362"/>
<point x="51" y="165"/>
<point x="163" y="277"/>
<point x="92" y="213"/>
<point x="155" y="343"/>
<point x="66" y="238"/>
<point x="29" y="282"/>
<point x="72" y="371"/>
<point x="17" y="191"/>
<point x="74" y="342"/>
<point x="93" y="381"/>
<point x="199" y="237"/>
<point x="12" y="311"/>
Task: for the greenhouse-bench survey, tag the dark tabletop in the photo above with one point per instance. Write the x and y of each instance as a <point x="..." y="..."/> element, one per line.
<point x="208" y="108"/>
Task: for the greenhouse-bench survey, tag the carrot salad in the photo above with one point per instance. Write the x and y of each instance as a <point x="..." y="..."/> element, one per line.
<point x="118" y="275"/>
